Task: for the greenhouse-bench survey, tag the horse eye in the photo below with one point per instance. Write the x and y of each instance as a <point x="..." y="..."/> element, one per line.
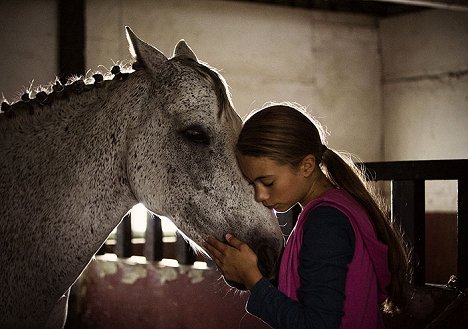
<point x="196" y="135"/>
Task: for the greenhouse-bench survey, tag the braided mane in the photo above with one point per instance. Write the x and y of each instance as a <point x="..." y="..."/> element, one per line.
<point x="30" y="100"/>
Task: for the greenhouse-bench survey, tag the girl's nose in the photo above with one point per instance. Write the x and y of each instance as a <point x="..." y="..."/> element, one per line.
<point x="260" y="194"/>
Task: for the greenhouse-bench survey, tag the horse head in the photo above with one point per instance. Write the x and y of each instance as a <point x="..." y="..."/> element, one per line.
<point x="181" y="154"/>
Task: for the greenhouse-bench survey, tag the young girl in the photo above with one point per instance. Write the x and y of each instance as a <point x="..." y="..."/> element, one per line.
<point x="343" y="260"/>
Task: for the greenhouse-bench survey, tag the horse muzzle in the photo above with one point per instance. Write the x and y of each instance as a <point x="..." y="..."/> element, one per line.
<point x="268" y="255"/>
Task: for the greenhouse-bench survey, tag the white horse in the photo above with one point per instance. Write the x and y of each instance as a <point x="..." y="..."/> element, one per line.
<point x="76" y="158"/>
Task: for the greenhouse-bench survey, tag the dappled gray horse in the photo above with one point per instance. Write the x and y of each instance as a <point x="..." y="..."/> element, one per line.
<point x="76" y="157"/>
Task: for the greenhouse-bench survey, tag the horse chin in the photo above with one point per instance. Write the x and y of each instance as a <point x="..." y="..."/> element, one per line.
<point x="240" y="286"/>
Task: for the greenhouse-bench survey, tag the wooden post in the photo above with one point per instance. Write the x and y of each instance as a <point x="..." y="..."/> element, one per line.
<point x="123" y="248"/>
<point x="408" y="211"/>
<point x="184" y="253"/>
<point x="102" y="250"/>
<point x="462" y="233"/>
<point x="154" y="246"/>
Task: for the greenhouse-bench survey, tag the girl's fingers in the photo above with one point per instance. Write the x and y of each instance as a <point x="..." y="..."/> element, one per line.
<point x="216" y="251"/>
<point x="215" y="248"/>
<point x="233" y="241"/>
<point x="214" y="243"/>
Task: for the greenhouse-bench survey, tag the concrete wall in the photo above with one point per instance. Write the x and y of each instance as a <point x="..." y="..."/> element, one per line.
<point x="425" y="92"/>
<point x="28" y="51"/>
<point x="328" y="62"/>
<point x="425" y="85"/>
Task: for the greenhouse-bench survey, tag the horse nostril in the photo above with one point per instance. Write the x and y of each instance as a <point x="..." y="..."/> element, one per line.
<point x="267" y="258"/>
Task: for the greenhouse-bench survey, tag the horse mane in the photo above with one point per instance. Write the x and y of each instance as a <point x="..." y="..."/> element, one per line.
<point x="45" y="95"/>
<point x="75" y="85"/>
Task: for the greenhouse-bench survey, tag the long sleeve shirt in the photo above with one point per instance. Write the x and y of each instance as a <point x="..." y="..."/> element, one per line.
<point x="327" y="249"/>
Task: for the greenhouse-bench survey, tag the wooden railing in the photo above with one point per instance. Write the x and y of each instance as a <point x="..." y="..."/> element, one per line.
<point x="407" y="208"/>
<point x="408" y="205"/>
<point x="154" y="246"/>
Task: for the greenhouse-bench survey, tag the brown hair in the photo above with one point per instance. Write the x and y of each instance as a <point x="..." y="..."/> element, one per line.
<point x="286" y="134"/>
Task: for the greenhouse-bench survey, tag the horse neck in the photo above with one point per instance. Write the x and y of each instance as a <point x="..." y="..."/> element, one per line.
<point x="98" y="129"/>
<point x="78" y="147"/>
<point x="64" y="183"/>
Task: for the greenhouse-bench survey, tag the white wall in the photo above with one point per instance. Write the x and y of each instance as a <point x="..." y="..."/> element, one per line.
<point x="328" y="62"/>
<point x="28" y="50"/>
<point x="425" y="85"/>
<point x="425" y="93"/>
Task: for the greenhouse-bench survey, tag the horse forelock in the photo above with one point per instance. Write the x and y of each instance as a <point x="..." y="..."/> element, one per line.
<point x="220" y="86"/>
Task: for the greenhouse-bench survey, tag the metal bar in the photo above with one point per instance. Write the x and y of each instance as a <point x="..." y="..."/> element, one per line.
<point x="123" y="247"/>
<point x="408" y="211"/>
<point x="154" y="246"/>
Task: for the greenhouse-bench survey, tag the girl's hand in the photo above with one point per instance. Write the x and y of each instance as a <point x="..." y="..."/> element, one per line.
<point x="236" y="261"/>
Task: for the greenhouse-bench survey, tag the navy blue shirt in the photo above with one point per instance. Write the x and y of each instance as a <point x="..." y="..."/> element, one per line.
<point x="327" y="248"/>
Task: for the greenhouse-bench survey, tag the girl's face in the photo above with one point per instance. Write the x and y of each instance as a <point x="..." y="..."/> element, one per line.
<point x="277" y="186"/>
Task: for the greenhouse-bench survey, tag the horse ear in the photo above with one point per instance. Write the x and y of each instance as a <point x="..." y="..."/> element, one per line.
<point x="145" y="54"/>
<point x="182" y="48"/>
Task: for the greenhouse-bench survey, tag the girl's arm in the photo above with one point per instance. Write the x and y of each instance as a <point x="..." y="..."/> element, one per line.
<point x="328" y="246"/>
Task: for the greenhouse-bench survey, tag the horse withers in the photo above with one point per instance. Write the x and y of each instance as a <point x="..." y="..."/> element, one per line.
<point x="76" y="157"/>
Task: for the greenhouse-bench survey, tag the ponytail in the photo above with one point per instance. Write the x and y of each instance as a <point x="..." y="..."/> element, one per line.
<point x="342" y="172"/>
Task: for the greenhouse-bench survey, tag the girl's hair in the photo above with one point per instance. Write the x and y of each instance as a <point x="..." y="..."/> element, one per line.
<point x="286" y="134"/>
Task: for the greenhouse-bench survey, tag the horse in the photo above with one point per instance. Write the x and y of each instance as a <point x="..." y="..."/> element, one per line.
<point x="76" y="156"/>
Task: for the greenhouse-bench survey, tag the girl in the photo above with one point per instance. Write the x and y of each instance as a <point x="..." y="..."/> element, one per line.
<point x="343" y="259"/>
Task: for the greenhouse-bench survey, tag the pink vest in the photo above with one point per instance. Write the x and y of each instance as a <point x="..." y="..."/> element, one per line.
<point x="368" y="274"/>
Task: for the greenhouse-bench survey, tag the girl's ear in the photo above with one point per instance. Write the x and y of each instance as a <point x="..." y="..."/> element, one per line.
<point x="308" y="165"/>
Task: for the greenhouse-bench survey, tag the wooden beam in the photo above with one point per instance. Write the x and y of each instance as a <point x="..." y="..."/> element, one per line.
<point x="71" y="38"/>
<point x="459" y="5"/>
<point x="422" y="169"/>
